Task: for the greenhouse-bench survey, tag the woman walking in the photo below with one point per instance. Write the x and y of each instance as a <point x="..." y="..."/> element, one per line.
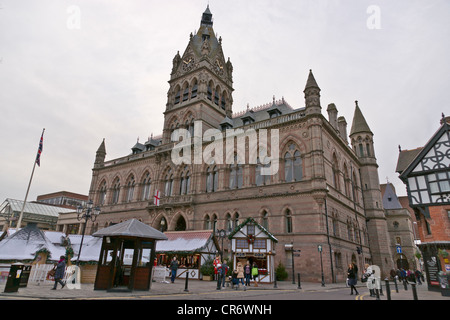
<point x="247" y="273"/>
<point x="60" y="269"/>
<point x="352" y="278"/>
<point x="240" y="274"/>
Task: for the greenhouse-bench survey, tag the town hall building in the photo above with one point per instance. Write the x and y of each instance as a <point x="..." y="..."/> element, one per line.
<point x="323" y="189"/>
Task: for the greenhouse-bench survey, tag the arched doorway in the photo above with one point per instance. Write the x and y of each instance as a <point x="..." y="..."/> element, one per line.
<point x="180" y="224"/>
<point x="402" y="262"/>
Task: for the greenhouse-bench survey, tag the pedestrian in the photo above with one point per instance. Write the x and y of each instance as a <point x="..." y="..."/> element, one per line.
<point x="247" y="273"/>
<point x="234" y="279"/>
<point x="418" y="274"/>
<point x="393" y="274"/>
<point x="240" y="274"/>
<point x="369" y="275"/>
<point x="255" y="273"/>
<point x="173" y="269"/>
<point x="224" y="272"/>
<point x="403" y="274"/>
<point x="352" y="278"/>
<point x="216" y="264"/>
<point x="60" y="269"/>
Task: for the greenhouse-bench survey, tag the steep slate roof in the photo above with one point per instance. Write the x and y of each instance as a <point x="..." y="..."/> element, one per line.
<point x="186" y="241"/>
<point x="390" y="199"/>
<point x="359" y="124"/>
<point x="311" y="82"/>
<point x="405" y="157"/>
<point x="131" y="228"/>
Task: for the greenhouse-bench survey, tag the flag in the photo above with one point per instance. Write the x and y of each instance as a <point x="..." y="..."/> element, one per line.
<point x="157" y="198"/>
<point x="41" y="146"/>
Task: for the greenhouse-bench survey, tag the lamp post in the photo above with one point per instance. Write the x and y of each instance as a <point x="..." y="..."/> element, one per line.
<point x="86" y="213"/>
<point x="319" y="248"/>
<point x="221" y="234"/>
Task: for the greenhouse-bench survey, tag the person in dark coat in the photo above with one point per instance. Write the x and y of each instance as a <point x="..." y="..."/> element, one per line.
<point x="173" y="269"/>
<point x="352" y="277"/>
<point x="60" y="269"/>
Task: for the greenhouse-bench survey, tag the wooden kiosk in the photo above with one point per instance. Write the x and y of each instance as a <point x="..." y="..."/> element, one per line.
<point x="252" y="242"/>
<point x="127" y="256"/>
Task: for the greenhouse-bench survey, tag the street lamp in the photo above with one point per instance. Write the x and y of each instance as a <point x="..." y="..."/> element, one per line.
<point x="221" y="234"/>
<point x="319" y="248"/>
<point x="86" y="213"/>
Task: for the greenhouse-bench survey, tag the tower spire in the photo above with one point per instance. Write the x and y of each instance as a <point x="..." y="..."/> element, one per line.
<point x="207" y="18"/>
<point x="359" y="122"/>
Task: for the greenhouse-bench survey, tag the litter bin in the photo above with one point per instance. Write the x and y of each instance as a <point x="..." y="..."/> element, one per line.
<point x="13" y="281"/>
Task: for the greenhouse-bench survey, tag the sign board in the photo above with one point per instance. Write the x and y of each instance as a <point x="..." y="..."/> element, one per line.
<point x="399" y="249"/>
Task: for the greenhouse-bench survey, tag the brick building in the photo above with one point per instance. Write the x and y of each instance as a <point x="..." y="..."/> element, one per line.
<point x="325" y="192"/>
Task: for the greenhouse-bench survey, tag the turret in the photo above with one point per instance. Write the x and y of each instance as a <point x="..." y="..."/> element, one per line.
<point x="312" y="95"/>
<point x="100" y="155"/>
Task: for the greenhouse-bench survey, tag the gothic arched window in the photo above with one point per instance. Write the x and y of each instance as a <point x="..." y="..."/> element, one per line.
<point x="130" y="189"/>
<point x="212" y="179"/>
<point x="288" y="219"/>
<point x="185" y="181"/>
<point x="146" y="185"/>
<point x="102" y="196"/>
<point x="293" y="170"/>
<point x="169" y="184"/>
<point x="116" y="191"/>
<point x="236" y="175"/>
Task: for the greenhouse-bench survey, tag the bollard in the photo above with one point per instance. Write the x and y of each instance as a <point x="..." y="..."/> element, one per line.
<point x="396" y="286"/>
<point x="299" y="284"/>
<point x="186" y="283"/>
<point x="414" y="290"/>
<point x="218" y="281"/>
<point x="405" y="284"/>
<point x="377" y="293"/>
<point x="388" y="289"/>
<point x="275" y="282"/>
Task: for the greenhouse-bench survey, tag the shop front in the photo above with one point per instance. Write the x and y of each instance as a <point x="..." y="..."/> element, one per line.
<point x="254" y="244"/>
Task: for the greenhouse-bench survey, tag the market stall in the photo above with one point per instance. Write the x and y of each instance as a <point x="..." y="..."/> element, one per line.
<point x="253" y="243"/>
<point x="191" y="248"/>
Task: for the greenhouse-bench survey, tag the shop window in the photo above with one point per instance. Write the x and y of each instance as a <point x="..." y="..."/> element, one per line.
<point x="242" y="244"/>
<point x="260" y="244"/>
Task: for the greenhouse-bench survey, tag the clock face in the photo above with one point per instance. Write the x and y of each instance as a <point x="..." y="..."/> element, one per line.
<point x="188" y="63"/>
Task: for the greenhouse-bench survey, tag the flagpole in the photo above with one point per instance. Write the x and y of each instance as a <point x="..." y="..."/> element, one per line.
<point x="28" y="189"/>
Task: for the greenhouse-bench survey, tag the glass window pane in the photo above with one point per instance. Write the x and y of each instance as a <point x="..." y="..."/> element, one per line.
<point x="421" y="182"/>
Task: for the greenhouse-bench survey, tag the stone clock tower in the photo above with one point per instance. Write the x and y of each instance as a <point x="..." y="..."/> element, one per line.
<point x="201" y="83"/>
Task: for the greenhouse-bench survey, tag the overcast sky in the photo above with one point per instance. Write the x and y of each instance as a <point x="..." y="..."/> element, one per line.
<point x="94" y="69"/>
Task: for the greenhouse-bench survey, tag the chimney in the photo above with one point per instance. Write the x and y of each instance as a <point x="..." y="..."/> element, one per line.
<point x="332" y="115"/>
<point x="343" y="128"/>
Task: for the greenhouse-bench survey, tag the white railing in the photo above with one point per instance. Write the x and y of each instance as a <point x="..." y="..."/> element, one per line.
<point x="39" y="272"/>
